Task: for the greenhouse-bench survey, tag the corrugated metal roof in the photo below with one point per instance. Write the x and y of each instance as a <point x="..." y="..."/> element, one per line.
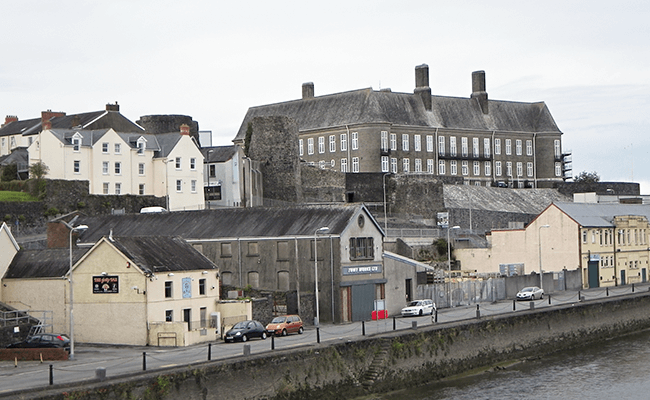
<point x="601" y="215"/>
<point x="45" y="263"/>
<point x="525" y="201"/>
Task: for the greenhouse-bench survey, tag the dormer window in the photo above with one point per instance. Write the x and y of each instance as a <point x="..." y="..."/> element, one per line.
<point x="76" y="141"/>
<point x="142" y="144"/>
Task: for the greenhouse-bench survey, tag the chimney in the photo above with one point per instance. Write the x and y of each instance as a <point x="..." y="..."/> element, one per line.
<point x="308" y="90"/>
<point x="47" y="125"/>
<point x="422" y="88"/>
<point x="185" y="129"/>
<point x="76" y="121"/>
<point x="113" y="107"/>
<point x="478" y="90"/>
<point x="9" y="119"/>
<point x="49" y="114"/>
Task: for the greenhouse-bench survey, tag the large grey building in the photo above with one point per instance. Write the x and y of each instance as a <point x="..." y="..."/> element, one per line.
<point x="486" y="142"/>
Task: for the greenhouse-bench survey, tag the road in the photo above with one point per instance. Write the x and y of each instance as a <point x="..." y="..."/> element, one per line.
<point x="120" y="360"/>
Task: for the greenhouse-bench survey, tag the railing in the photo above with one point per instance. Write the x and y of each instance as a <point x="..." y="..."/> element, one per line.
<point x="43" y="318"/>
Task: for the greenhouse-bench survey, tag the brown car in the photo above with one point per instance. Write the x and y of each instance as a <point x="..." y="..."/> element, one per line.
<point x="284" y="325"/>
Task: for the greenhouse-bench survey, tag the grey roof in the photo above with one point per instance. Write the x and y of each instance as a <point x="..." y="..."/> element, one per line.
<point x="369" y="106"/>
<point x="525" y="201"/>
<point x="218" y="153"/>
<point x="88" y="137"/>
<point x="45" y="263"/>
<point x="161" y="143"/>
<point x="601" y="215"/>
<point x="21" y="127"/>
<point x="225" y="223"/>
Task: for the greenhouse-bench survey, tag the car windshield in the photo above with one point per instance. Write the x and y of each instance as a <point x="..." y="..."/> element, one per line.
<point x="413" y="304"/>
<point x="278" y="320"/>
<point x="528" y="289"/>
<point x="240" y="325"/>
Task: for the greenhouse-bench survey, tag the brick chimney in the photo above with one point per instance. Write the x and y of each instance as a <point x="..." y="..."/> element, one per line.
<point x="308" y="90"/>
<point x="47" y="125"/>
<point x="422" y="85"/>
<point x="113" y="107"/>
<point x="185" y="129"/>
<point x="478" y="90"/>
<point x="49" y="114"/>
<point x="9" y="119"/>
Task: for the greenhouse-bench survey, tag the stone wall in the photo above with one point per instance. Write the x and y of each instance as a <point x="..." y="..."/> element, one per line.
<point x="322" y="185"/>
<point x="616" y="188"/>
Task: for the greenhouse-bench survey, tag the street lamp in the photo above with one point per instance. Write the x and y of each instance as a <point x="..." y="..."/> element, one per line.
<point x="323" y="229"/>
<point x="77" y="228"/>
<point x="449" y="262"/>
<point x="539" y="239"/>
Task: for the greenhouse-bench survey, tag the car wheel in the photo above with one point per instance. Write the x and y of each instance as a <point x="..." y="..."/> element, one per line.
<point x="263" y="335"/>
<point x="284" y="332"/>
<point x="541" y="296"/>
<point x="244" y="338"/>
<point x="300" y="330"/>
<point x="420" y="313"/>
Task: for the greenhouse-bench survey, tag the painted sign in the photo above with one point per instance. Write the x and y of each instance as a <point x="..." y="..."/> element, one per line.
<point x="106" y="284"/>
<point x="443" y="219"/>
<point x="187" y="288"/>
<point x="362" y="269"/>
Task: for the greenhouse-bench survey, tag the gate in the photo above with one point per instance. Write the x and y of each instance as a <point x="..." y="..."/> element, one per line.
<point x="363" y="301"/>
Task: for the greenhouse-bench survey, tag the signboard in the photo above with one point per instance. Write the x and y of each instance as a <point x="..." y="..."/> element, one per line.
<point x="594" y="257"/>
<point x="362" y="269"/>
<point x="443" y="219"/>
<point x="187" y="288"/>
<point x="106" y="284"/>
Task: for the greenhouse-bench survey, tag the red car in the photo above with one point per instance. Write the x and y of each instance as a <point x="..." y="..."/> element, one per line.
<point x="284" y="325"/>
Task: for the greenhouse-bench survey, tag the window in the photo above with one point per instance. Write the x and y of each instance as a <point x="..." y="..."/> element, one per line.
<point x="475" y="148"/>
<point x="118" y="168"/>
<point x="508" y="147"/>
<point x="105" y="167"/>
<point x="497" y="168"/>
<point x="558" y="169"/>
<point x="464" y="168"/>
<point x="418" y="165"/>
<point x="193" y="185"/>
<point x="332" y="143"/>
<point x="301" y="147"/>
<point x="201" y="286"/>
<point x="310" y="146"/>
<point x="518" y="147"/>
<point x="430" y="166"/>
<point x="417" y="143"/>
<point x="344" y="142"/>
<point x="77" y="166"/>
<point x="441" y="145"/>
<point x="584" y="236"/>
<point x="212" y="170"/>
<point x="441" y="167"/>
<point x="453" y="167"/>
<point x="556" y="148"/>
<point x="203" y="315"/>
<point x="405" y="142"/>
<point x="118" y="188"/>
<point x="355" y="164"/>
<point x="283" y="281"/>
<point x="393" y="141"/>
<point x="178" y="163"/>
<point x="361" y="248"/>
<point x="253" y="249"/>
<point x="105" y="188"/>
<point x="355" y="141"/>
<point x="141" y="145"/>
<point x="344" y="165"/>
<point x="488" y="168"/>
<point x="430" y="143"/>
<point x="105" y="147"/>
<point x="384" y="140"/>
<point x="169" y="316"/>
<point x="452" y="146"/>
<point x="283" y="251"/>
<point x="141" y="189"/>
<point x="169" y="289"/>
<point x="486" y="147"/>
<point x="226" y="250"/>
<point x="497" y="146"/>
<point x="529" y="147"/>
<point x="118" y="148"/>
<point x="406" y="163"/>
<point x="179" y="185"/>
<point x="529" y="169"/>
<point x="76" y="143"/>
<point x="393" y="165"/>
<point x="193" y="164"/>
<point x="520" y="170"/>
<point x="509" y="169"/>
<point x="477" y="168"/>
<point x="384" y="163"/>
<point x="141" y="169"/>
<point x="321" y="144"/>
<point x="464" y="150"/>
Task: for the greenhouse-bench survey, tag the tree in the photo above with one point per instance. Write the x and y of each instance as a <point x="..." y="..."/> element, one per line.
<point x="587" y="177"/>
<point x="9" y="173"/>
<point x="38" y="170"/>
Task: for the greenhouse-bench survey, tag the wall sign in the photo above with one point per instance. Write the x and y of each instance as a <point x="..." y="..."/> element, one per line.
<point x="362" y="269"/>
<point x="187" y="288"/>
<point x="106" y="284"/>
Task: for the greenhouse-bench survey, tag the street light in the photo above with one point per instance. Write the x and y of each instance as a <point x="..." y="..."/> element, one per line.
<point x="323" y="229"/>
<point x="77" y="228"/>
<point x="449" y="263"/>
<point x="539" y="239"/>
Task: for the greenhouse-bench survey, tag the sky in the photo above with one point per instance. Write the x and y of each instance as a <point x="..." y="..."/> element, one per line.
<point x="212" y="60"/>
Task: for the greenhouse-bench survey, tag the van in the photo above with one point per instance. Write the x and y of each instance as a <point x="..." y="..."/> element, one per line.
<point x="155" y="209"/>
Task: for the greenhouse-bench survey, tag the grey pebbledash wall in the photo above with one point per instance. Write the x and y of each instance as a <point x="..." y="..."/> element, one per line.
<point x="347" y="368"/>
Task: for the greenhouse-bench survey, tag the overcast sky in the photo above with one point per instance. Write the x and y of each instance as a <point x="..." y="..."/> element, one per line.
<point x="589" y="61"/>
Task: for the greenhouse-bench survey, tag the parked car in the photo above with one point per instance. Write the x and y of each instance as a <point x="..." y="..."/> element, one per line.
<point x="530" y="293"/>
<point x="419" y="307"/>
<point x="245" y="330"/>
<point x="43" y="340"/>
<point x="284" y="325"/>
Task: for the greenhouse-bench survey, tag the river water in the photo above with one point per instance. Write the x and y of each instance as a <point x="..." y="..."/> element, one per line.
<point x="616" y="369"/>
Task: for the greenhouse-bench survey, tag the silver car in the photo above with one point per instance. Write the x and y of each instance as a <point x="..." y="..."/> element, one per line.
<point x="530" y="293"/>
<point x="419" y="307"/>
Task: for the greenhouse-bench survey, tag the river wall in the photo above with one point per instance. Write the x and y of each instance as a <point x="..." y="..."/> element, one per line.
<point x="362" y="365"/>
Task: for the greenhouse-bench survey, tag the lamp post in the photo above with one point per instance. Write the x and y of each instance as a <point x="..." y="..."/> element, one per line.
<point x="77" y="228"/>
<point x="449" y="262"/>
<point x="323" y="229"/>
<point x="539" y="239"/>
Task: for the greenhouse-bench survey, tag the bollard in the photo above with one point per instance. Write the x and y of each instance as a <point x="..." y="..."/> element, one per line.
<point x="393" y="323"/>
<point x="579" y="296"/>
<point x="414" y="324"/>
<point x="51" y="375"/>
<point x="247" y="349"/>
<point x="514" y="305"/>
<point x="317" y="335"/>
<point x="15" y="362"/>
<point x="100" y="374"/>
<point x="209" y="351"/>
<point x="478" y="312"/>
<point x="436" y="320"/>
<point x="549" y="299"/>
<point x="363" y="328"/>
<point x="272" y="342"/>
<point x="607" y="291"/>
<point x="144" y="360"/>
<point x="532" y="305"/>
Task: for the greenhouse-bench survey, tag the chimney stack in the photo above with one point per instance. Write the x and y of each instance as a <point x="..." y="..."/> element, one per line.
<point x="185" y="129"/>
<point x="422" y="88"/>
<point x="113" y="107"/>
<point x="47" y="125"/>
<point x="49" y="114"/>
<point x="308" y="90"/>
<point x="478" y="90"/>
<point x="9" y="119"/>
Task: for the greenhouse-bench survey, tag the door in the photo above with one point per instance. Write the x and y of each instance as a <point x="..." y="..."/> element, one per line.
<point x="187" y="317"/>
<point x="622" y="277"/>
<point x="363" y="302"/>
<point x="592" y="270"/>
<point x="409" y="296"/>
<point x="643" y="275"/>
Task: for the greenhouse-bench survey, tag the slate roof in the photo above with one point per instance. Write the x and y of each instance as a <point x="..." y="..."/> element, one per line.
<point x="161" y="143"/>
<point x="601" y="215"/>
<point x="25" y="127"/>
<point x="366" y="106"/>
<point x="218" y="153"/>
<point x="524" y="201"/>
<point x="225" y="222"/>
<point x="45" y="263"/>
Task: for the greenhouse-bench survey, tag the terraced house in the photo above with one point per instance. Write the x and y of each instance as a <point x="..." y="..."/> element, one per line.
<point x="487" y="142"/>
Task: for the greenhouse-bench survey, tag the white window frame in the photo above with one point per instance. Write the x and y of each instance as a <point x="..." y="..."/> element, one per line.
<point x="105" y="167"/>
<point x="193" y="186"/>
<point x="344" y="165"/>
<point x="441" y="146"/>
<point x="529" y="169"/>
<point x="141" y="189"/>
<point x="393" y="141"/>
<point x="192" y="164"/>
<point x="118" y="188"/>
<point x="520" y="170"/>
<point x="556" y="149"/>
<point x="430" y="166"/>
<point x="105" y="187"/>
<point x="476" y="150"/>
<point x="508" y="147"/>
<point x="417" y="143"/>
<point x="418" y="165"/>
<point x="529" y="147"/>
<point x="344" y="142"/>
<point x="406" y="165"/>
<point x="300" y="147"/>
<point x="321" y="145"/>
<point x="310" y="146"/>
<point x="117" y="167"/>
<point x="477" y="168"/>
<point x="332" y="143"/>
<point x="142" y="144"/>
<point x="558" y="169"/>
<point x="179" y="185"/>
<point x="384" y="141"/>
<point x="355" y="140"/>
<point x="355" y="165"/>
<point x="118" y="148"/>
<point x="497" y="168"/>
<point x="509" y="169"/>
<point x="464" y="168"/>
<point x="393" y="165"/>
<point x="141" y="169"/>
<point x="497" y="146"/>
<point x="105" y="147"/>
<point x="486" y="147"/>
<point x="441" y="167"/>
<point x="488" y="168"/>
<point x="453" y="151"/>
<point x="429" y="143"/>
<point x="464" y="148"/>
<point x="385" y="163"/>
<point x="405" y="142"/>
<point x="178" y="163"/>
<point x="76" y="166"/>
<point x="453" y="167"/>
<point x="518" y="148"/>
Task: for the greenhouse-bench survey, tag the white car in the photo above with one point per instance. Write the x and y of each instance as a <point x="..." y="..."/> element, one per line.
<point x="419" y="307"/>
<point x="530" y="293"/>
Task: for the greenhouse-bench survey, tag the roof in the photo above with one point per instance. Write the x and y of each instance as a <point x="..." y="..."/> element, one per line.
<point x="524" y="201"/>
<point x="225" y="222"/>
<point x="45" y="263"/>
<point x="218" y="154"/>
<point x="366" y="106"/>
<point x="601" y="215"/>
<point x="5" y="228"/>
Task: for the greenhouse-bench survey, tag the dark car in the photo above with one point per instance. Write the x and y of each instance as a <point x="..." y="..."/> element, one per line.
<point x="43" y="340"/>
<point x="245" y="330"/>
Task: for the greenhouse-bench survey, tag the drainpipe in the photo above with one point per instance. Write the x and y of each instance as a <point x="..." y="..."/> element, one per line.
<point x="297" y="266"/>
<point x="240" y="271"/>
<point x="535" y="158"/>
